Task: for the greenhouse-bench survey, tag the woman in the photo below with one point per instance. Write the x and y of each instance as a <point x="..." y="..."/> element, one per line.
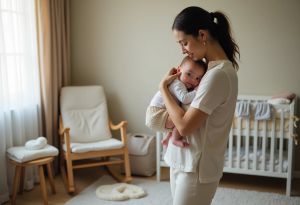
<point x="195" y="171"/>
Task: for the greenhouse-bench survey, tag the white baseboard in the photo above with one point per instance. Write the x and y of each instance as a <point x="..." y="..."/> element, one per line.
<point x="296" y="174"/>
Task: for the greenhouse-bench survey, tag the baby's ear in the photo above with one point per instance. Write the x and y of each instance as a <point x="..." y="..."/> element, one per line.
<point x="178" y="69"/>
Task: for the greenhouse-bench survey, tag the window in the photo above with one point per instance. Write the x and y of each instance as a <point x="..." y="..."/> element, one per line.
<point x="19" y="81"/>
<point x="19" y="84"/>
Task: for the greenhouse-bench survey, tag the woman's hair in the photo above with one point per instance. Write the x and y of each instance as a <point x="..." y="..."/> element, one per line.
<point x="201" y="63"/>
<point x="191" y="19"/>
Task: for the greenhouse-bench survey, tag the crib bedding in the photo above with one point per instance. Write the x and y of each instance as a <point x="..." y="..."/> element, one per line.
<point x="260" y="157"/>
<point x="259" y="166"/>
<point x="261" y="124"/>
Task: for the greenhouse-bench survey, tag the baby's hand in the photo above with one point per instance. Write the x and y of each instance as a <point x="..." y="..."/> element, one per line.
<point x="169" y="77"/>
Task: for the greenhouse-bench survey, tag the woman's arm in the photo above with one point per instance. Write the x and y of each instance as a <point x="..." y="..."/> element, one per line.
<point x="186" y="122"/>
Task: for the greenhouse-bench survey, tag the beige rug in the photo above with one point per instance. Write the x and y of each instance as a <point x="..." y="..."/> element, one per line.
<point x="158" y="193"/>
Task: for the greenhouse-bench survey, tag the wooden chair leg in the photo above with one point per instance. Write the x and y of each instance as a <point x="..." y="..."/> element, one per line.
<point x="63" y="170"/>
<point x="70" y="176"/>
<point x="128" y="177"/>
<point x="50" y="176"/>
<point x="21" y="187"/>
<point x="16" y="184"/>
<point x="64" y="176"/>
<point x="43" y="184"/>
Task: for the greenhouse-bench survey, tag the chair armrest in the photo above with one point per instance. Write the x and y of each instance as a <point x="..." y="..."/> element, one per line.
<point x="122" y="126"/>
<point x="118" y="126"/>
<point x="63" y="130"/>
<point x="64" y="133"/>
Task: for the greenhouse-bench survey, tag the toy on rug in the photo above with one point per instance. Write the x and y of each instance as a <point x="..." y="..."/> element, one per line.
<point x="120" y="192"/>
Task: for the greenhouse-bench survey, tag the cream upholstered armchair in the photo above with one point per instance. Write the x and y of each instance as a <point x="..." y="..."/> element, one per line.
<point x="85" y="133"/>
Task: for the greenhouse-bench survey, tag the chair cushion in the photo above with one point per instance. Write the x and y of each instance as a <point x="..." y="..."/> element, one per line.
<point x="21" y="154"/>
<point x="87" y="125"/>
<point x="84" y="111"/>
<point x="95" y="146"/>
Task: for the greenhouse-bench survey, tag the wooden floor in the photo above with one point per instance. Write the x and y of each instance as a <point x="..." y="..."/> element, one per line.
<point x="85" y="177"/>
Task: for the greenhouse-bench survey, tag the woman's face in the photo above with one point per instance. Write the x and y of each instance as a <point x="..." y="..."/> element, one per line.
<point x="190" y="45"/>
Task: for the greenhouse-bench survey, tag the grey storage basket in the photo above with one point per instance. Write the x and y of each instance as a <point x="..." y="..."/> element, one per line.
<point x="142" y="154"/>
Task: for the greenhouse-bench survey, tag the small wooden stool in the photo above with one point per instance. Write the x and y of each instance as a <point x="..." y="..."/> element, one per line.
<point x="22" y="157"/>
<point x="20" y="173"/>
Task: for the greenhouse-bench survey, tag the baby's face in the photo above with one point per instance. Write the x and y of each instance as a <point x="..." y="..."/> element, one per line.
<point x="191" y="74"/>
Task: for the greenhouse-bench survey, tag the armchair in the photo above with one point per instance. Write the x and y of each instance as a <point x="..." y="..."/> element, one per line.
<point x="85" y="133"/>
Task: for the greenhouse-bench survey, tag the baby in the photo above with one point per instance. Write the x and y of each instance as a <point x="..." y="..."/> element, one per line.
<point x="184" y="90"/>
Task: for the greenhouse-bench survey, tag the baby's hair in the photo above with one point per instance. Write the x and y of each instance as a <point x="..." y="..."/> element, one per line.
<point x="200" y="63"/>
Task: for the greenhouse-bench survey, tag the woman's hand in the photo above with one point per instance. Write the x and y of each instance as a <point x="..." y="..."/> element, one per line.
<point x="168" y="79"/>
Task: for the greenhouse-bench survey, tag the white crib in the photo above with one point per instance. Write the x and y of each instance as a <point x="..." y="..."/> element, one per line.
<point x="258" y="147"/>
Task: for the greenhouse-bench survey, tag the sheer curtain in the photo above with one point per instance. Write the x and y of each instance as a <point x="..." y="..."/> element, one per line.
<point x="19" y="85"/>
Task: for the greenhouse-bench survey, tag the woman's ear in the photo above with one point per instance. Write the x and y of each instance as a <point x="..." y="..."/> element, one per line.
<point x="202" y="34"/>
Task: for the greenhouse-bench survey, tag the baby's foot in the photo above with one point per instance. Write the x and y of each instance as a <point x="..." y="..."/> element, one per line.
<point x="181" y="143"/>
<point x="165" y="142"/>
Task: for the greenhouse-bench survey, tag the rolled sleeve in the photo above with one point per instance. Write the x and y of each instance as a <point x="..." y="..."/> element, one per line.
<point x="156" y="118"/>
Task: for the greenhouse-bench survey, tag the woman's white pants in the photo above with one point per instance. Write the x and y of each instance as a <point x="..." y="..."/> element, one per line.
<point x="187" y="190"/>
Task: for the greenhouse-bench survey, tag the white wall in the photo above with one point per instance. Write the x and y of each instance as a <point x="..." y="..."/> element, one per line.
<point x="127" y="46"/>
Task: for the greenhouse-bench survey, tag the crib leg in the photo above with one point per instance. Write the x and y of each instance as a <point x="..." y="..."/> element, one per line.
<point x="158" y="155"/>
<point x="288" y="186"/>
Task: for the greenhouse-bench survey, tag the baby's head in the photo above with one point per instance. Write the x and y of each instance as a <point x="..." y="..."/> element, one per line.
<point x="191" y="72"/>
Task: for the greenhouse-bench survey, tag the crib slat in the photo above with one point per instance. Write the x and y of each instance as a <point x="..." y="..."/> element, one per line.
<point x="247" y="143"/>
<point x="281" y="140"/>
<point x="158" y="154"/>
<point x="230" y="147"/>
<point x="255" y="145"/>
<point x="272" y="144"/>
<point x="264" y="145"/>
<point x="238" y="147"/>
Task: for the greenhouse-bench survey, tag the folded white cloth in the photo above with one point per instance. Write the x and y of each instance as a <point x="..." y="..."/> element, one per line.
<point x="120" y="192"/>
<point x="262" y="111"/>
<point x="277" y="101"/>
<point x="242" y="109"/>
<point x="35" y="144"/>
<point x="21" y="154"/>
